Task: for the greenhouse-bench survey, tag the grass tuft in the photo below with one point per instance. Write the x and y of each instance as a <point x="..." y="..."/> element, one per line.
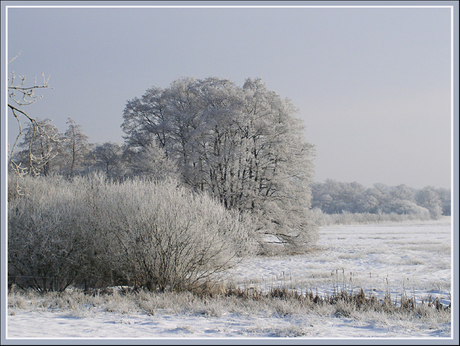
<point x="215" y="300"/>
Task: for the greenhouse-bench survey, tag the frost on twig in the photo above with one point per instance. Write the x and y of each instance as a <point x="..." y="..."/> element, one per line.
<point x="20" y="95"/>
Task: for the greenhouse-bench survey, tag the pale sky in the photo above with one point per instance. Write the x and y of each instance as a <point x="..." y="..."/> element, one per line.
<point x="373" y="85"/>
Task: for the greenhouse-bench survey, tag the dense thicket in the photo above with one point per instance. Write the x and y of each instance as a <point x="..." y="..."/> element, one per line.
<point x="241" y="145"/>
<point x="334" y="197"/>
<point x="90" y="231"/>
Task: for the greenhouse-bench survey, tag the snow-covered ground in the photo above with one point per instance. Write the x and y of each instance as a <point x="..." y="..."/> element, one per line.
<point x="411" y="258"/>
<point x="414" y="258"/>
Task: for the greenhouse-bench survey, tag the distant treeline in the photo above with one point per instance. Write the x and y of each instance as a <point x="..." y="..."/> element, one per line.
<point x="333" y="197"/>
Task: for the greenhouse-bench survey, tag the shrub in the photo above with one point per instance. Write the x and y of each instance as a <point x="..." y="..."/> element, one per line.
<point x="92" y="231"/>
<point x="46" y="243"/>
<point x="163" y="236"/>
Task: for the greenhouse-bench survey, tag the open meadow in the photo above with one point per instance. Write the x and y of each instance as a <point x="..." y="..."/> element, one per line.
<point x="407" y="262"/>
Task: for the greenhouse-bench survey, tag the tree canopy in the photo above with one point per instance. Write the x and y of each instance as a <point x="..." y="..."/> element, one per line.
<point x="243" y="145"/>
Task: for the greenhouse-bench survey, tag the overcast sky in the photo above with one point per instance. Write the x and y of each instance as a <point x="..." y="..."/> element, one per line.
<point x="373" y="85"/>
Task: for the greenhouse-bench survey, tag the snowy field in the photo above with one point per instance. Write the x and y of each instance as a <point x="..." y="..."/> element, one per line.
<point x="410" y="258"/>
<point x="414" y="258"/>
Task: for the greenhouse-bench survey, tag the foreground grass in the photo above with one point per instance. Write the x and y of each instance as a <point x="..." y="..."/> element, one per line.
<point x="217" y="302"/>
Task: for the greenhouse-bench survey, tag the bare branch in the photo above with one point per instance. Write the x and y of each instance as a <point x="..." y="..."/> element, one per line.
<point x="23" y="95"/>
<point x="15" y="57"/>
<point x="26" y="93"/>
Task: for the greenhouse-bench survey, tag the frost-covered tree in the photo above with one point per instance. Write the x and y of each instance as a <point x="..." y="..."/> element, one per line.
<point x="74" y="147"/>
<point x="445" y="197"/>
<point x="276" y="164"/>
<point x="107" y="158"/>
<point x="429" y="199"/>
<point x="242" y="145"/>
<point x="334" y="197"/>
<point x="403" y="192"/>
<point x="41" y="144"/>
<point x="371" y="200"/>
<point x="151" y="162"/>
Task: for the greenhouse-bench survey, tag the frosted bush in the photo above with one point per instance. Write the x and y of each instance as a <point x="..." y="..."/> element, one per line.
<point x="163" y="236"/>
<point x="46" y="243"/>
<point x="94" y="232"/>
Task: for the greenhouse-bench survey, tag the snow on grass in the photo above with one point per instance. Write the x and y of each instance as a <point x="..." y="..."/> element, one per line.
<point x="410" y="258"/>
<point x="60" y="324"/>
<point x="415" y="257"/>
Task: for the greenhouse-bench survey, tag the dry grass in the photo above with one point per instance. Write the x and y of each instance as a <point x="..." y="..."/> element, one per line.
<point x="215" y="300"/>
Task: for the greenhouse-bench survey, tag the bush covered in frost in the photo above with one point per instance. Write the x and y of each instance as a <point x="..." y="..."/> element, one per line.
<point x="94" y="232"/>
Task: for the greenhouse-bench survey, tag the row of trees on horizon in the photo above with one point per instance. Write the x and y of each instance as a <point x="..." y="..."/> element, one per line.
<point x="334" y="197"/>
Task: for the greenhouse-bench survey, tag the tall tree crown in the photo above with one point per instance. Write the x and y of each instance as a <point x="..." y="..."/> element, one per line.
<point x="242" y="145"/>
